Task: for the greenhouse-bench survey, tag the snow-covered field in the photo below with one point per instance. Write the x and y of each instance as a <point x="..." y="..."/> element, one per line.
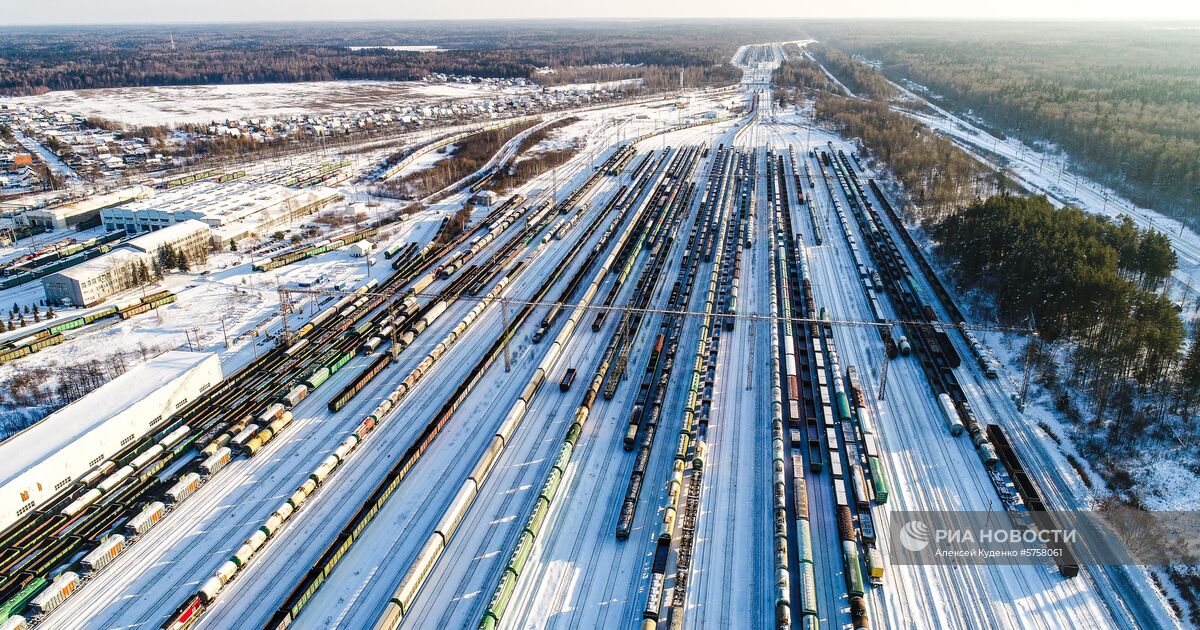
<point x="206" y="103"/>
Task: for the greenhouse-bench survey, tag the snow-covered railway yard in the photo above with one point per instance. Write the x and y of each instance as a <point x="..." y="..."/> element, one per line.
<point x="579" y="422"/>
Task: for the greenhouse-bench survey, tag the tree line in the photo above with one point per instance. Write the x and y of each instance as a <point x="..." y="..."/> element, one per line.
<point x="798" y="71"/>
<point x="1095" y="289"/>
<point x="38" y="59"/>
<point x="862" y="79"/>
<point x="469" y="155"/>
<point x="1123" y="103"/>
<point x="937" y="175"/>
<point x="525" y="166"/>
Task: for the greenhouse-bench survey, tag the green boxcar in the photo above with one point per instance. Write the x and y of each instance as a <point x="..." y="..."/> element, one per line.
<point x="67" y="325"/>
<point x="805" y="535"/>
<point x="808" y="590"/>
<point x="317" y="378"/>
<point x="843" y="406"/>
<point x="345" y="358"/>
<point x="854" y="573"/>
<point x="878" y="479"/>
<point x="18" y="601"/>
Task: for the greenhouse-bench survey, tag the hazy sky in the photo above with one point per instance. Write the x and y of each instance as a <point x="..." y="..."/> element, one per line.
<point x="129" y="11"/>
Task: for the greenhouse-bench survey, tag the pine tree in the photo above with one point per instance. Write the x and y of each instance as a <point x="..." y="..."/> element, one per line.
<point x="166" y="257"/>
<point x="1190" y="371"/>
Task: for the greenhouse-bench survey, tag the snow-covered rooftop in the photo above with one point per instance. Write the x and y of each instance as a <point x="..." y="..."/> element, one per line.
<point x="151" y="241"/>
<point x="89" y="269"/>
<point x="29" y="447"/>
<point x="97" y="202"/>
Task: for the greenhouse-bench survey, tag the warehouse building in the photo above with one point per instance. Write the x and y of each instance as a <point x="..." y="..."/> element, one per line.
<point x="232" y="209"/>
<point x="91" y="282"/>
<point x="128" y="266"/>
<point x="191" y="238"/>
<point x="46" y="458"/>
<point x="85" y="211"/>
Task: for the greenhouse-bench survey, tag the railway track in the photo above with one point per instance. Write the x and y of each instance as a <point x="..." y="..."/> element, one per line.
<point x="294" y="603"/>
<point x="80" y="517"/>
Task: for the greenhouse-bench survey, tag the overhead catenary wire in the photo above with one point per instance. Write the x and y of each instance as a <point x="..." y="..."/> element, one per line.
<point x="747" y="316"/>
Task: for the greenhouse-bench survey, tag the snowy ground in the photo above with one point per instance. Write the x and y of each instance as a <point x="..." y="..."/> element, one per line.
<point x="209" y="297"/>
<point x="1048" y="173"/>
<point x="931" y="470"/>
<point x="578" y="575"/>
<point x="1045" y="171"/>
<point x="207" y="103"/>
<point x="223" y="300"/>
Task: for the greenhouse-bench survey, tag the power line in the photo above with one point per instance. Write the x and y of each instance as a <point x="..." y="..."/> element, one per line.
<point x="648" y="310"/>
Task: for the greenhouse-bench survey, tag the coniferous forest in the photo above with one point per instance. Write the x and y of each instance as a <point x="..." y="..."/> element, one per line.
<point x="36" y="60"/>
<point x="1122" y="100"/>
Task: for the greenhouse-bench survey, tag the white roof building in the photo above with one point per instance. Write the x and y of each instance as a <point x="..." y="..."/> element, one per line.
<point x="49" y="456"/>
<point x="176" y="235"/>
<point x="92" y="281"/>
<point x="232" y="209"/>
<point x="69" y="214"/>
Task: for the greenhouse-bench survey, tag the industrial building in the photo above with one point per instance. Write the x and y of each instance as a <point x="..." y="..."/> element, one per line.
<point x="233" y="209"/>
<point x="47" y="457"/>
<point x="191" y="238"/>
<point x="125" y="267"/>
<point x="84" y="211"/>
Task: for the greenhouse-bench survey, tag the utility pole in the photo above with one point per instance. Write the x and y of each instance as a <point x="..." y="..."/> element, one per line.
<point x="883" y="376"/>
<point x="285" y="309"/>
<point x="224" y="333"/>
<point x="394" y="349"/>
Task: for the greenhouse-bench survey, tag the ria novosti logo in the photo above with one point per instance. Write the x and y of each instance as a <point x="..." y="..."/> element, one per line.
<point x="914" y="536"/>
